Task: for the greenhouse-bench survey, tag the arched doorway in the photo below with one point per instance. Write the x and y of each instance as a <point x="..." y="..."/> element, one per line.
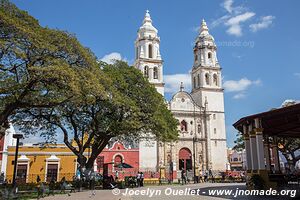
<point x="185" y="159"/>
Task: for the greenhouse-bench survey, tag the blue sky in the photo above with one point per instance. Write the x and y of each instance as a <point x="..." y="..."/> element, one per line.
<point x="258" y="42"/>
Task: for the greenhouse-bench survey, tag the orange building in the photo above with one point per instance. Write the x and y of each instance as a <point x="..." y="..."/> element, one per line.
<point x="52" y="162"/>
<point x="57" y="161"/>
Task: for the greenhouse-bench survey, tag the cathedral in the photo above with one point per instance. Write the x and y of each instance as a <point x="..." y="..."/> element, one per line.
<point x="202" y="137"/>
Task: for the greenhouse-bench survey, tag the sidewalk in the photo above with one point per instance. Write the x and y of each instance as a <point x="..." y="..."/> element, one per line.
<point x="108" y="194"/>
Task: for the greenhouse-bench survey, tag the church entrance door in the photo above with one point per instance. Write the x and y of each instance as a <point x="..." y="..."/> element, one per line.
<point x="185" y="159"/>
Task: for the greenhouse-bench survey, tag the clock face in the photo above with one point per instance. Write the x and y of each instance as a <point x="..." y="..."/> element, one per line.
<point x="183" y="100"/>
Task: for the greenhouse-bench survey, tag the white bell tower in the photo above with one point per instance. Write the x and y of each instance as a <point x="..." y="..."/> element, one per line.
<point x="147" y="54"/>
<point x="207" y="91"/>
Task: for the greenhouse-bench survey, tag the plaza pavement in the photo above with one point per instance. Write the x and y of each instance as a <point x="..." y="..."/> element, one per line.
<point x="204" y="187"/>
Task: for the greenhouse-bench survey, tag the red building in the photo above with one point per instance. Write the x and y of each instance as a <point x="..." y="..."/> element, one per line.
<point x="110" y="158"/>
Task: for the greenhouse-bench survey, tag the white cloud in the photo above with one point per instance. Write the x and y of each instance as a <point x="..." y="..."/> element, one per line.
<point x="239" y="85"/>
<point x="236" y="16"/>
<point x="297" y="74"/>
<point x="219" y="21"/>
<point x="110" y="58"/>
<point x="228" y="5"/>
<point x="234" y="23"/>
<point x="265" y="22"/>
<point x="172" y="82"/>
<point x="239" y="96"/>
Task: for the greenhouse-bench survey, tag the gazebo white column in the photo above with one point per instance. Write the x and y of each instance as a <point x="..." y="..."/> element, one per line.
<point x="253" y="148"/>
<point x="259" y="145"/>
<point x="247" y="147"/>
<point x="260" y="149"/>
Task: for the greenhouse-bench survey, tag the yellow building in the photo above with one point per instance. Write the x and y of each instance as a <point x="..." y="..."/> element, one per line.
<point x="51" y="162"/>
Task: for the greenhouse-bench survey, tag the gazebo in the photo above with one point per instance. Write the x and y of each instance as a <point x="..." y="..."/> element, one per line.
<point x="261" y="132"/>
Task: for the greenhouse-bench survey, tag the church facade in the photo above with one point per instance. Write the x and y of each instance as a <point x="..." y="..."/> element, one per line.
<point x="201" y="116"/>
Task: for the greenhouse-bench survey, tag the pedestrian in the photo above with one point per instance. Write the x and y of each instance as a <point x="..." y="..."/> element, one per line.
<point x="183" y="176"/>
<point x="2" y="178"/>
<point x="38" y="179"/>
<point x="205" y="176"/>
<point x="142" y="179"/>
<point x="117" y="176"/>
<point x="92" y="184"/>
<point x="138" y="179"/>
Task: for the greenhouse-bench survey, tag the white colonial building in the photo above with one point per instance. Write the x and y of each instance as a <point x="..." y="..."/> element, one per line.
<point x="202" y="141"/>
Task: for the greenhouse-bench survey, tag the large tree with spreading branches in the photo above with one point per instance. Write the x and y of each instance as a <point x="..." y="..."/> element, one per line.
<point x="39" y="67"/>
<point x="52" y="85"/>
<point x="131" y="109"/>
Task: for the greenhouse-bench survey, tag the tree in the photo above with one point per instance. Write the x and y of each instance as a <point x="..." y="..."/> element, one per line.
<point x="289" y="148"/>
<point x="239" y="143"/>
<point x="131" y="109"/>
<point x="39" y="67"/>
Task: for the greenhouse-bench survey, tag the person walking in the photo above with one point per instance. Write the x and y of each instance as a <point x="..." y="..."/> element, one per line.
<point x="92" y="184"/>
<point x="117" y="176"/>
<point x="142" y="179"/>
<point x="138" y="179"/>
<point x="183" y="176"/>
<point x="205" y="176"/>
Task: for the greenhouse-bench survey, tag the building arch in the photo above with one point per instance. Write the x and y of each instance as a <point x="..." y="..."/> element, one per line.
<point x="150" y="51"/>
<point x="155" y="73"/>
<point x="185" y="159"/>
<point x="184" y="126"/>
<point x="207" y="79"/>
<point x="215" y="80"/>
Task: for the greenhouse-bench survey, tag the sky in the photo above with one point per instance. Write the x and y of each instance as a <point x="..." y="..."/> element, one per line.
<point x="258" y="42"/>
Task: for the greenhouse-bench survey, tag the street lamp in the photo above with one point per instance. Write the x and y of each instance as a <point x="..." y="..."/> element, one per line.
<point x="18" y="137"/>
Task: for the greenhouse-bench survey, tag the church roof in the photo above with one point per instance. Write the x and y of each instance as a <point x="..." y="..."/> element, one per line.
<point x="183" y="95"/>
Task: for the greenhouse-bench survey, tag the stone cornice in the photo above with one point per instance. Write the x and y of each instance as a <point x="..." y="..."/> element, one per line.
<point x="207" y="89"/>
<point x="206" y="68"/>
<point x="149" y="60"/>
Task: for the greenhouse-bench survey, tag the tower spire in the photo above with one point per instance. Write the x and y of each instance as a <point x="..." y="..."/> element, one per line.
<point x="147" y="18"/>
<point x="203" y="28"/>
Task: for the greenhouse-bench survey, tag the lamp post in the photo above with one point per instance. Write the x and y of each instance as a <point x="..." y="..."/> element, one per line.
<point x="18" y="137"/>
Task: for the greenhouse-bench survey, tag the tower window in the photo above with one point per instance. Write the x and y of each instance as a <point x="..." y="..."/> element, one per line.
<point x="146" y="71"/>
<point x="195" y="83"/>
<point x="215" y="131"/>
<point x="198" y="80"/>
<point x="216" y="143"/>
<point x="155" y="73"/>
<point x="150" y="49"/>
<point x="209" y="55"/>
<point x="215" y="79"/>
<point x="196" y="57"/>
<point x="199" y="128"/>
<point x="137" y="53"/>
<point x="183" y="125"/>
<point x="207" y="79"/>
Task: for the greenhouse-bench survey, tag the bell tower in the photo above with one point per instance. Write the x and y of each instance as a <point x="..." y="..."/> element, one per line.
<point x="207" y="91"/>
<point x="147" y="54"/>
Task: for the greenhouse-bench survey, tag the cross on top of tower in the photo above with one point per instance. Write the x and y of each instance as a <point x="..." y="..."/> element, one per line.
<point x="147" y="17"/>
<point x="181" y="86"/>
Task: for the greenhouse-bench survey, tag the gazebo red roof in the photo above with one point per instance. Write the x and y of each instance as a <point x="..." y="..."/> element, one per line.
<point x="284" y="122"/>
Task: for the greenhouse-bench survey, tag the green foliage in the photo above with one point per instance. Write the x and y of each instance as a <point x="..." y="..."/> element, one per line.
<point x="39" y="67"/>
<point x="239" y="143"/>
<point x="52" y="85"/>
